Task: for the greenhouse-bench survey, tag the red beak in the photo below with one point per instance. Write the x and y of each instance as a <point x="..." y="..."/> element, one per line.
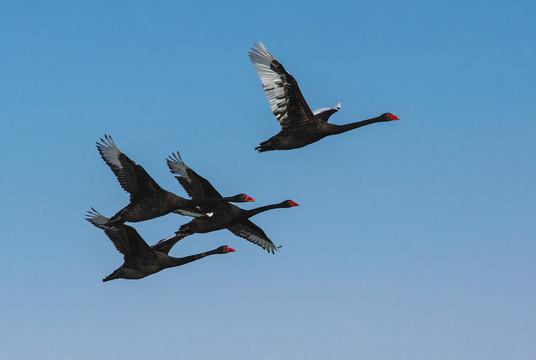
<point x="294" y="203"/>
<point x="250" y="199"/>
<point x="393" y="117"/>
<point x="230" y="249"/>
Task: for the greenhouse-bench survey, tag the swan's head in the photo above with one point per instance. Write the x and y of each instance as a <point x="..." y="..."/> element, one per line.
<point x="243" y="198"/>
<point x="225" y="249"/>
<point x="290" y="203"/>
<point x="389" y="117"/>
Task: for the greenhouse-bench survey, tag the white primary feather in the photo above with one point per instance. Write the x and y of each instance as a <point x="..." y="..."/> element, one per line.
<point x="258" y="241"/>
<point x="177" y="165"/>
<point x="110" y="152"/>
<point x="274" y="84"/>
<point x="97" y="219"/>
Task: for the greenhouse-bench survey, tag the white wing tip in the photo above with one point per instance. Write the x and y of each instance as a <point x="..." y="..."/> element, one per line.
<point x="107" y="141"/>
<point x="259" y="45"/>
<point x="260" y="56"/>
<point x="109" y="151"/>
<point x="96" y="218"/>
<point x="176" y="164"/>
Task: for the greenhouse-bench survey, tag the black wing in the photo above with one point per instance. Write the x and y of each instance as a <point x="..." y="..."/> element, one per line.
<point x="125" y="238"/>
<point x="251" y="232"/>
<point x="194" y="184"/>
<point x="132" y="177"/>
<point x="282" y="90"/>
<point x="324" y="113"/>
<point x="166" y="244"/>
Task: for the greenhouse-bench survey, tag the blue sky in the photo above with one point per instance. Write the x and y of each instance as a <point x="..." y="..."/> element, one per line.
<point x="415" y="239"/>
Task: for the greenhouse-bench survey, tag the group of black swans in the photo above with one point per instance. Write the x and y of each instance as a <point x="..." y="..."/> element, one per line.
<point x="210" y="210"/>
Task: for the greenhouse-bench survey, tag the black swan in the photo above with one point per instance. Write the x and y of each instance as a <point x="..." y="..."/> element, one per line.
<point x="217" y="216"/>
<point x="147" y="199"/>
<point x="141" y="259"/>
<point x="299" y="125"/>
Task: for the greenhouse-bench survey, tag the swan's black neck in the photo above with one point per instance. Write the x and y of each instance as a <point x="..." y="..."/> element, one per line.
<point x="347" y="127"/>
<point x="173" y="261"/>
<point x="258" y="210"/>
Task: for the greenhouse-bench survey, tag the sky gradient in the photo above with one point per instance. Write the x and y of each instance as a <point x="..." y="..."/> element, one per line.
<point x="415" y="239"/>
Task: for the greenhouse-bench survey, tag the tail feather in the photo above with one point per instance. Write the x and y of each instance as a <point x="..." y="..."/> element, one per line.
<point x="183" y="231"/>
<point x="112" y="276"/>
<point x="264" y="146"/>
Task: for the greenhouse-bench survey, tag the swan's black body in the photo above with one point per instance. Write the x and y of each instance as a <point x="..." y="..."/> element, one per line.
<point x="299" y="125"/>
<point x="300" y="136"/>
<point x="217" y="216"/>
<point x="235" y="220"/>
<point x="147" y="199"/>
<point x="142" y="260"/>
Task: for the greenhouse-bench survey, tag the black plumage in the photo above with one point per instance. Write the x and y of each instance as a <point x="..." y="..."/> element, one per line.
<point x="147" y="199"/>
<point x="140" y="259"/>
<point x="299" y="125"/>
<point x="221" y="215"/>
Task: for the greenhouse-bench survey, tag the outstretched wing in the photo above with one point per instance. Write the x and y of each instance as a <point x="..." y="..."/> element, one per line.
<point x="282" y="90"/>
<point x="324" y="113"/>
<point x="132" y="177"/>
<point x="165" y="245"/>
<point x="125" y="238"/>
<point x="251" y="232"/>
<point x="195" y="185"/>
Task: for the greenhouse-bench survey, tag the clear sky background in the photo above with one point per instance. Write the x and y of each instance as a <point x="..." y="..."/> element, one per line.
<point x="415" y="239"/>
